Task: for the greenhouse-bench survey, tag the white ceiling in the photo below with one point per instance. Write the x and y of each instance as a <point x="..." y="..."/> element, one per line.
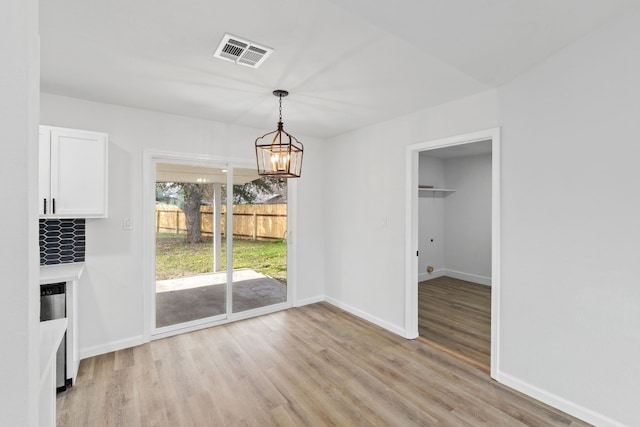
<point x="175" y="172"/>
<point x="346" y="63"/>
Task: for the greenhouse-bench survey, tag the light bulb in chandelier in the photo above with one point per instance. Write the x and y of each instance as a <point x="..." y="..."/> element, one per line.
<point x="280" y="161"/>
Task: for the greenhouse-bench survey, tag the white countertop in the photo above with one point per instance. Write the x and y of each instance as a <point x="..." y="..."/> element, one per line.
<point x="51" y="332"/>
<point x="60" y="272"/>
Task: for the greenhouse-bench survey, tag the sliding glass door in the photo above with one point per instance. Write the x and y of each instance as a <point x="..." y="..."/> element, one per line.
<point x="259" y="241"/>
<point x="203" y="213"/>
<point x="191" y="279"/>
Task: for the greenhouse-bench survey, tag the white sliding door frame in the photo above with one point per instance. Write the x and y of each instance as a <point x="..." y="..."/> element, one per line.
<point x="150" y="332"/>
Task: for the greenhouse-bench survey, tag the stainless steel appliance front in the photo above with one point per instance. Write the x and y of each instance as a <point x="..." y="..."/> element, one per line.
<point x="53" y="305"/>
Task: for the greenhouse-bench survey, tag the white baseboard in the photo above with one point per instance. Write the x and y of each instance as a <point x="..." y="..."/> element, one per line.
<point x="366" y="316"/>
<point x="558" y="402"/>
<point x="112" y="346"/>
<point x="308" y="301"/>
<point x="473" y="278"/>
<point x="426" y="276"/>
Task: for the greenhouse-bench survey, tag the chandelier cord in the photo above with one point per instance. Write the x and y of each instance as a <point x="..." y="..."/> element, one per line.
<point x="280" y="108"/>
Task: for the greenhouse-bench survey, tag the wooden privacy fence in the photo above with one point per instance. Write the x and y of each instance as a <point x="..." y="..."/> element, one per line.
<point x="249" y="221"/>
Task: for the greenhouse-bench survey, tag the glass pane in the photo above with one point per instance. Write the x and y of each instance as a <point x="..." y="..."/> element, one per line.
<point x="190" y="256"/>
<point x="259" y="240"/>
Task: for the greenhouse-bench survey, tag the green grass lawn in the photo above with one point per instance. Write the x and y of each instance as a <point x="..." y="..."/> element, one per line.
<point x="176" y="258"/>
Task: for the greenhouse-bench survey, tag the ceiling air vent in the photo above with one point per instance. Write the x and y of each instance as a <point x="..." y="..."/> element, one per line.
<point x="242" y="52"/>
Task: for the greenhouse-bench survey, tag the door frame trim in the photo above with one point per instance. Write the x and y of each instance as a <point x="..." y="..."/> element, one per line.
<point x="411" y="232"/>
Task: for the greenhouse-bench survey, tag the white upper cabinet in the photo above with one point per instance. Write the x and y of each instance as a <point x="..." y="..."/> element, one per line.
<point x="73" y="173"/>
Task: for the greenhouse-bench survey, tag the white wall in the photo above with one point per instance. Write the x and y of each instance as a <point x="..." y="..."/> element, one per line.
<point x="364" y="253"/>
<point x="19" y="316"/>
<point x="431" y="218"/>
<point x="571" y="228"/>
<point x="111" y="291"/>
<point x="467" y="225"/>
<point x="310" y="262"/>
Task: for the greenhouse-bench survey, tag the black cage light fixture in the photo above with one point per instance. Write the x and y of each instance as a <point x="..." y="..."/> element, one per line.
<point x="282" y="157"/>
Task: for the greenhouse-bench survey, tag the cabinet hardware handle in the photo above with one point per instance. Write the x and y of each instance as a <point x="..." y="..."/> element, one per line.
<point x="45" y="206"/>
<point x="53" y="205"/>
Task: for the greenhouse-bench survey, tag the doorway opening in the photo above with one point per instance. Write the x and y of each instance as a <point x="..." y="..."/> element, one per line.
<point x="453" y="273"/>
<point x="217" y="243"/>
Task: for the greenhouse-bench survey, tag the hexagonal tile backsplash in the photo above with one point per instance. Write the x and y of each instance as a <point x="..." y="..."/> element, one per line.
<point x="61" y="241"/>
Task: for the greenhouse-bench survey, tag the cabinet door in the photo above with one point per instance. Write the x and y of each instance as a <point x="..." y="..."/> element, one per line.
<point x="44" y="170"/>
<point x="78" y="173"/>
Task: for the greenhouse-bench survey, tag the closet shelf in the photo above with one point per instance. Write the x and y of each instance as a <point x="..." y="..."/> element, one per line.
<point x="437" y="190"/>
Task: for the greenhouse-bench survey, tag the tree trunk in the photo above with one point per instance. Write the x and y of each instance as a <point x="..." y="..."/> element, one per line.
<point x="192" y="200"/>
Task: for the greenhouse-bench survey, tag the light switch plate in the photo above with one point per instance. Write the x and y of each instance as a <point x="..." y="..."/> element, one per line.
<point x="127" y="224"/>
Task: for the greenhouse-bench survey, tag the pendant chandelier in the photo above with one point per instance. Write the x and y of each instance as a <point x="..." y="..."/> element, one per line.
<point x="282" y="157"/>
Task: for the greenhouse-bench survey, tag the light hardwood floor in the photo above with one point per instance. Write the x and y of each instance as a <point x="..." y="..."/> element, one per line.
<point x="310" y="366"/>
<point x="456" y="315"/>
